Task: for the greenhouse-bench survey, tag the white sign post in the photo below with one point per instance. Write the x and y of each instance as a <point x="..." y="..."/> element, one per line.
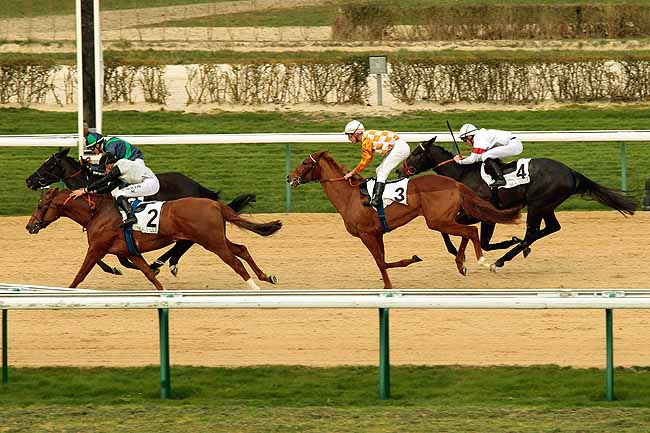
<point x="378" y="66"/>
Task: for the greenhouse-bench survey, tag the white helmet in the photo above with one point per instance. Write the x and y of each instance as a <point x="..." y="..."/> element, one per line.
<point x="353" y="126"/>
<point x="467" y="130"/>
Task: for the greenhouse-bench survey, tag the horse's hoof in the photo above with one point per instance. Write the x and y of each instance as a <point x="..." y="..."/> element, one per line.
<point x="527" y="252"/>
<point x="517" y="240"/>
<point x="155" y="271"/>
<point x="416" y="259"/>
<point x="273" y="279"/>
<point x="463" y="270"/>
<point x="117" y="271"/>
<point x="493" y="268"/>
<point x="155" y="265"/>
<point x="499" y="263"/>
<point x="174" y="270"/>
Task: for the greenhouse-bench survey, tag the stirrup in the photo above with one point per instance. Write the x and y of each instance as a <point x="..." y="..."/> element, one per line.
<point x="129" y="222"/>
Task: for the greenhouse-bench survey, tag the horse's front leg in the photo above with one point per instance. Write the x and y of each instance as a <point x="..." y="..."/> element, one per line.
<point x="450" y="246"/>
<point x="487" y="230"/>
<point x="108" y="269"/>
<point x="92" y="256"/>
<point x="141" y="264"/>
<point x="460" y="257"/>
<point x="375" y="244"/>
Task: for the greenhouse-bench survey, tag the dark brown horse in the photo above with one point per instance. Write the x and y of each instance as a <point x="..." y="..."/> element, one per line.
<point x="199" y="220"/>
<point x="437" y="198"/>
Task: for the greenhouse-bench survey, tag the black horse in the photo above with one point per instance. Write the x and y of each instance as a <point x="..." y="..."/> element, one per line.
<point x="61" y="167"/>
<point x="551" y="183"/>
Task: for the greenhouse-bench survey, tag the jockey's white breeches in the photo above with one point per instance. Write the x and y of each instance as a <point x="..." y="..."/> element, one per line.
<point x="395" y="157"/>
<point x="513" y="148"/>
<point x="146" y="188"/>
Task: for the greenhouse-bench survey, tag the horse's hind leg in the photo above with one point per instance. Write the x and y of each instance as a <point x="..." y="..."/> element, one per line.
<point x="242" y="252"/>
<point x="467" y="233"/>
<point x="108" y="269"/>
<point x="174" y="253"/>
<point x="141" y="264"/>
<point x="221" y="249"/>
<point x="533" y="233"/>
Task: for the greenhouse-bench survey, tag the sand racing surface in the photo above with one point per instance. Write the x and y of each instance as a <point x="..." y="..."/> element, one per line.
<point x="600" y="250"/>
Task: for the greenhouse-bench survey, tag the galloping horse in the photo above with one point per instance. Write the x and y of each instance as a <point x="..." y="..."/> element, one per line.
<point x="198" y="220"/>
<point x="61" y="167"/>
<point x="551" y="183"/>
<point x="437" y="198"/>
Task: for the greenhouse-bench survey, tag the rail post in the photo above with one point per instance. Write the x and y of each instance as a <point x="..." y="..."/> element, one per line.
<point x="609" y="333"/>
<point x="623" y="168"/>
<point x="5" y="350"/>
<point x="287" y="170"/>
<point x="384" y="355"/>
<point x="165" y="378"/>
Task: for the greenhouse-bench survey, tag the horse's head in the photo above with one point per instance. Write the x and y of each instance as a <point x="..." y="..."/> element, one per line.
<point x="425" y="156"/>
<point x="308" y="171"/>
<point x="49" y="172"/>
<point x="47" y="211"/>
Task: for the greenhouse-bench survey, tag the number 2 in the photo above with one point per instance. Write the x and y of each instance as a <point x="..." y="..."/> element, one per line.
<point x="155" y="214"/>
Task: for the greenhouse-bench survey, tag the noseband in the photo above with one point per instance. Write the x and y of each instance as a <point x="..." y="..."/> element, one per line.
<point x="314" y="163"/>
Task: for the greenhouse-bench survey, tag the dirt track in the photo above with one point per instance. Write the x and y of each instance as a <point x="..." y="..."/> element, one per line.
<point x="593" y="250"/>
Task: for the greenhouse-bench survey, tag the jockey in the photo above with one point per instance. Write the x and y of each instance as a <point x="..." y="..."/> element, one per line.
<point x="140" y="180"/>
<point x="97" y="144"/>
<point x="487" y="144"/>
<point x="386" y="143"/>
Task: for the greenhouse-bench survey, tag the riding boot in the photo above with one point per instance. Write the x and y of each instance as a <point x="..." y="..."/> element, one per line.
<point x="124" y="204"/>
<point x="495" y="171"/>
<point x="379" y="191"/>
<point x="370" y="196"/>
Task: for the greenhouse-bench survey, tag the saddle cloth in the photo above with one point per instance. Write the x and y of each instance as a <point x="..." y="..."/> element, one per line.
<point x="394" y="192"/>
<point x="148" y="215"/>
<point x="515" y="174"/>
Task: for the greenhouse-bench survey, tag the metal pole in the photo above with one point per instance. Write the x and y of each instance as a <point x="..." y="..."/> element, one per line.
<point x="380" y="95"/>
<point x="384" y="355"/>
<point x="623" y="168"/>
<point x="165" y="380"/>
<point x="610" y="353"/>
<point x="5" y="351"/>
<point x="287" y="169"/>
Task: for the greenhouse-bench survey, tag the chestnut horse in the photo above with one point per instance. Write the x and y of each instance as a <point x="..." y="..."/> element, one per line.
<point x="199" y="220"/>
<point x="437" y="198"/>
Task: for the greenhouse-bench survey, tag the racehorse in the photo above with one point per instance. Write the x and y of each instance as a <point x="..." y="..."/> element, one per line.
<point x="437" y="198"/>
<point x="551" y="183"/>
<point x="61" y="167"/>
<point x="199" y="220"/>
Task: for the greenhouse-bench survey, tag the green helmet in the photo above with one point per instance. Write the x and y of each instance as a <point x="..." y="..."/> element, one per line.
<point x="93" y="139"/>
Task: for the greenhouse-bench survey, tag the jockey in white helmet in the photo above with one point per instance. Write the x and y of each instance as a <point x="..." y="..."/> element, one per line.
<point x="487" y="144"/>
<point x="387" y="143"/>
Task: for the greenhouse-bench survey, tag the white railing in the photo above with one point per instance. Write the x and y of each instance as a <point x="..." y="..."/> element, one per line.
<point x="62" y="140"/>
<point x="25" y="297"/>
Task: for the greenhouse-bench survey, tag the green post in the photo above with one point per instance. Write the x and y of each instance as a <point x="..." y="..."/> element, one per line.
<point x="165" y="380"/>
<point x="5" y="351"/>
<point x="287" y="169"/>
<point x="609" y="332"/>
<point x="623" y="168"/>
<point x="384" y="355"/>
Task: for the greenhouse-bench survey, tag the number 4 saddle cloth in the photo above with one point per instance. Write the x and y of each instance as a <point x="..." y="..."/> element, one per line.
<point x="394" y="192"/>
<point x="515" y="173"/>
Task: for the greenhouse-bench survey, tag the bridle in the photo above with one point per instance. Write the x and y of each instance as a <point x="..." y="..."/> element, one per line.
<point x="410" y="171"/>
<point x="91" y="204"/>
<point x="314" y="163"/>
<point x="42" y="181"/>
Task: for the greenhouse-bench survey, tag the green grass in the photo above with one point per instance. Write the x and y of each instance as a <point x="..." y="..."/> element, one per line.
<point x="35" y="8"/>
<point x="260" y="168"/>
<point x="344" y="399"/>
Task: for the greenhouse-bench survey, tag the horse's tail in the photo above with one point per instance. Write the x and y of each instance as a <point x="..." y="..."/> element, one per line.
<point x="262" y="229"/>
<point x="483" y="210"/>
<point x="240" y="202"/>
<point x="609" y="197"/>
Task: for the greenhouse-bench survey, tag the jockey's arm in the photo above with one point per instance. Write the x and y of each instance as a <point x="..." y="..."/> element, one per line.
<point x="473" y="157"/>
<point x="101" y="184"/>
<point x="366" y="156"/>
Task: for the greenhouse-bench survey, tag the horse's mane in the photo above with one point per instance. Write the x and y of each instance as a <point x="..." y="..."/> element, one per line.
<point x="341" y="168"/>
